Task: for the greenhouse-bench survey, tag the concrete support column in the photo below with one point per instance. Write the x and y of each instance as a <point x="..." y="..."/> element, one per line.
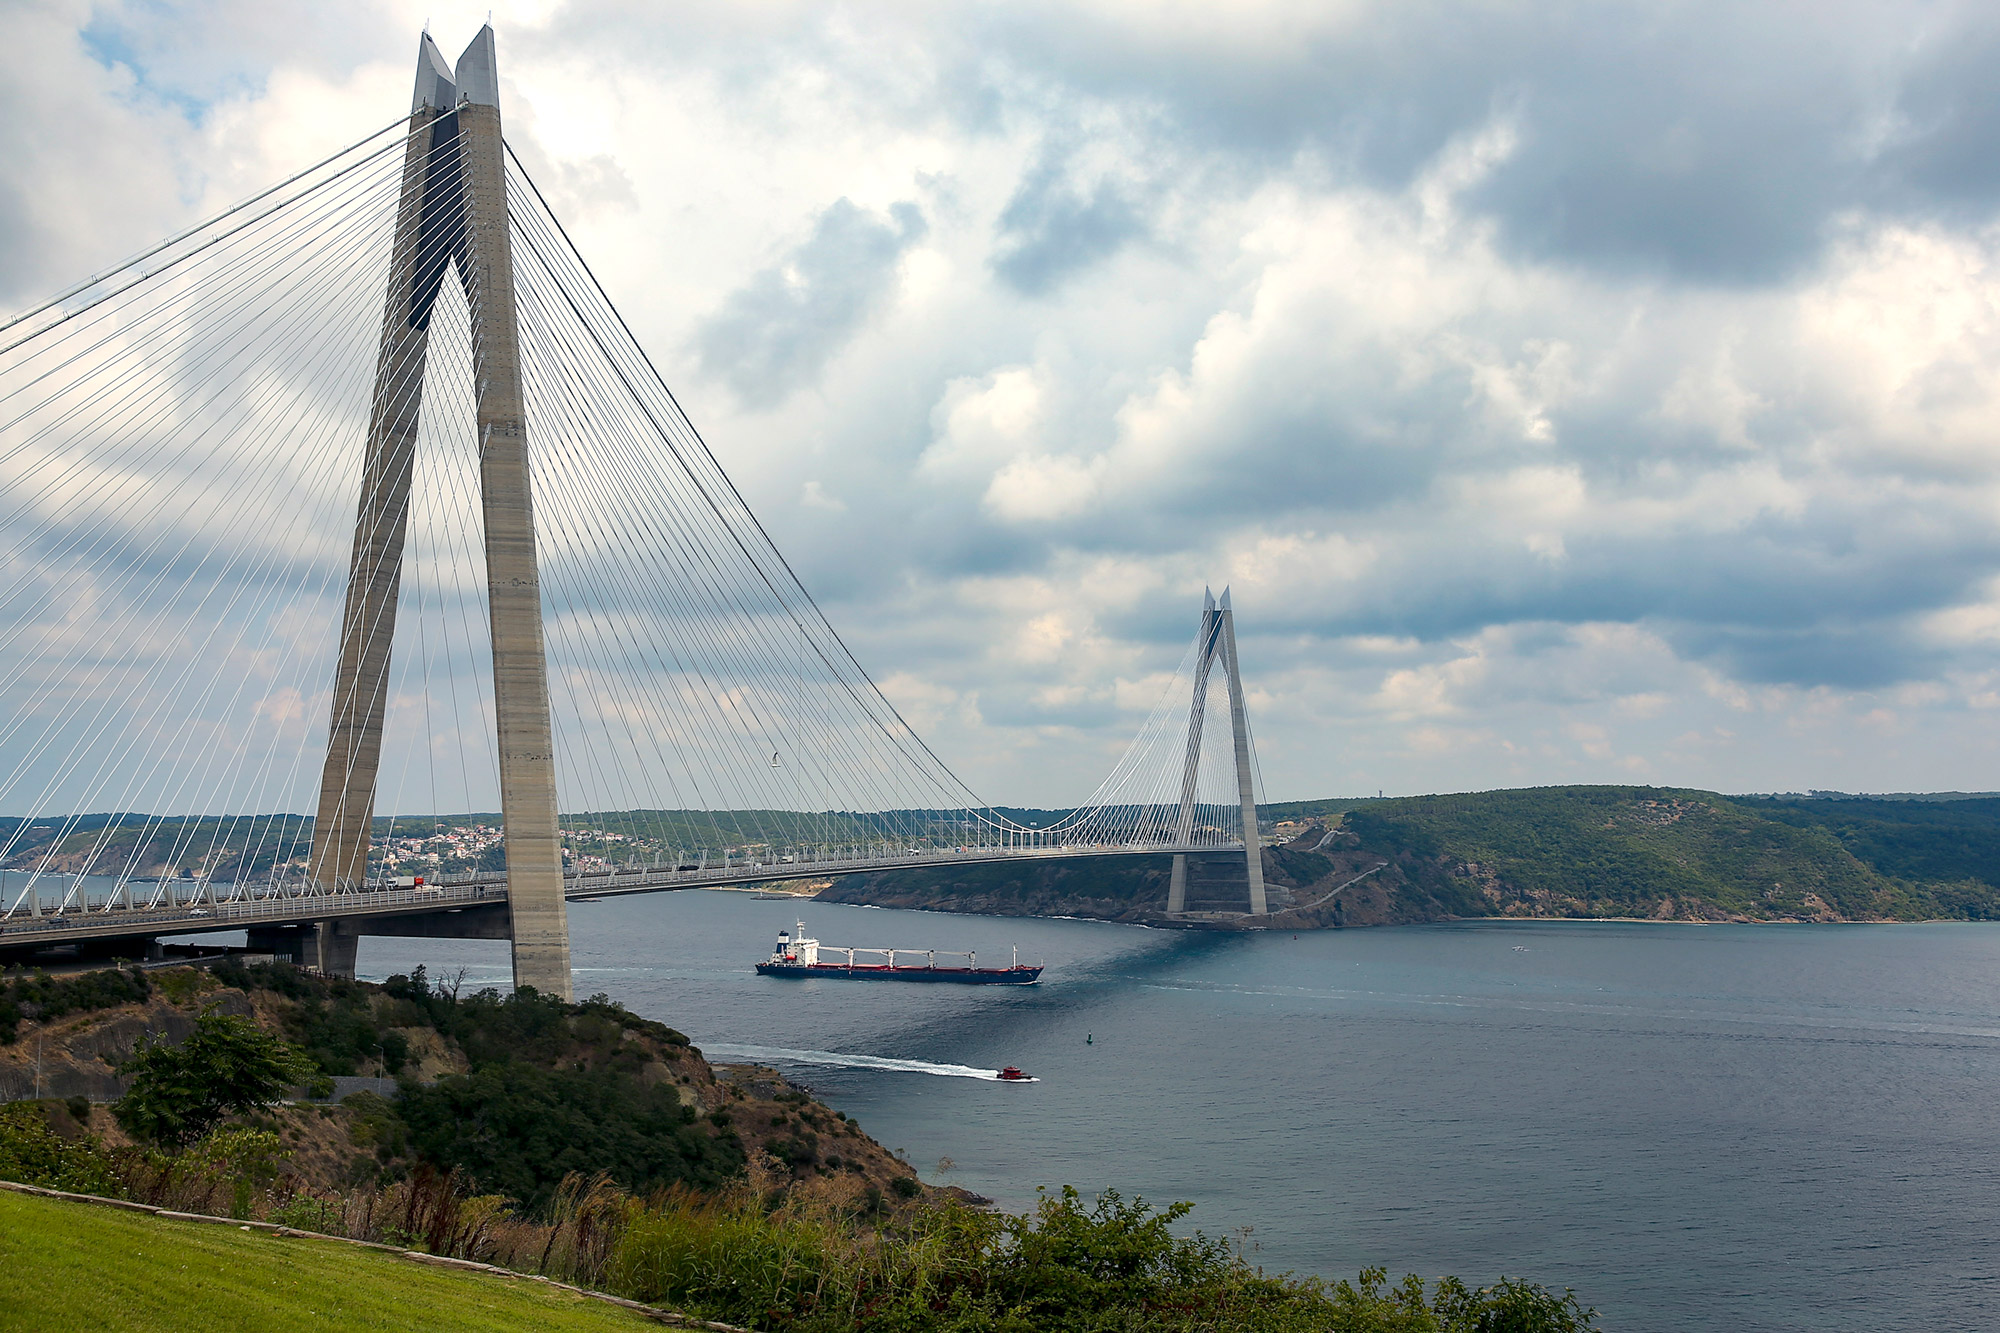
<point x="336" y="947"/>
<point x="520" y="663"/>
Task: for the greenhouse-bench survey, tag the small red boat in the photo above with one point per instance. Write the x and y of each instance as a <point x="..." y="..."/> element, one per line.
<point x="1013" y="1075"/>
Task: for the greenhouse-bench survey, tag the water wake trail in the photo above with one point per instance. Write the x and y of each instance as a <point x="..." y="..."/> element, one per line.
<point x="770" y="1054"/>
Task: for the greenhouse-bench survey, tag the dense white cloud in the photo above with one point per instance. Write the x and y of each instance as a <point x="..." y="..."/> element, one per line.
<point x="1566" y="392"/>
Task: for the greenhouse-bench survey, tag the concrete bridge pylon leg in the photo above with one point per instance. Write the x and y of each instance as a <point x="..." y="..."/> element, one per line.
<point x="1246" y="787"/>
<point x="513" y="585"/>
<point x="375" y="572"/>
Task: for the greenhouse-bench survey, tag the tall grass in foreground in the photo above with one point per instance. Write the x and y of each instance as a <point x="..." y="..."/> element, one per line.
<point x="1114" y="1266"/>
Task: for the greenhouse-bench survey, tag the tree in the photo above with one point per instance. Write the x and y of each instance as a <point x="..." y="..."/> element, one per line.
<point x="226" y="1065"/>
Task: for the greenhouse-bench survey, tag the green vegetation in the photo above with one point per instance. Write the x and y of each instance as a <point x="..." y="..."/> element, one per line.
<point x="1126" y="888"/>
<point x="1651" y="851"/>
<point x="44" y="997"/>
<point x="550" y="1089"/>
<point x="32" y="1153"/>
<point x="788" y="1262"/>
<point x="1949" y="847"/>
<point x="73" y="1268"/>
<point x="1109" y="1267"/>
<point x="1613" y="851"/>
<point x="519" y="1130"/>
<point x="182" y="1090"/>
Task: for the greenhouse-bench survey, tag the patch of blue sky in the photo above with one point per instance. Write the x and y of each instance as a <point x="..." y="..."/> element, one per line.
<point x="118" y="41"/>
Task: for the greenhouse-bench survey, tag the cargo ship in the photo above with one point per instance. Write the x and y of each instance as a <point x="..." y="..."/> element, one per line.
<point x="798" y="955"/>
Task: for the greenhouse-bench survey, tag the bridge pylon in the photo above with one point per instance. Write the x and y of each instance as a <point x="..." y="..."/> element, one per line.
<point x="1217" y="645"/>
<point x="452" y="216"/>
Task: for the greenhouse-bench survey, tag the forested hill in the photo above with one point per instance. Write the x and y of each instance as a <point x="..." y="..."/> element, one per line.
<point x="1683" y="854"/>
<point x="1662" y="853"/>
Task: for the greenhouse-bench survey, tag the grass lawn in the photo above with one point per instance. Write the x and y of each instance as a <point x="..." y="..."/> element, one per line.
<point x="74" y="1266"/>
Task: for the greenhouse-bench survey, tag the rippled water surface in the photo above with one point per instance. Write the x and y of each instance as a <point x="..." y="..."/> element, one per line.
<point x="1753" y="1128"/>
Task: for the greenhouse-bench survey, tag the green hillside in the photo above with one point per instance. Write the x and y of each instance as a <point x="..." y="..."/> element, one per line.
<point x="1952" y="845"/>
<point x="76" y="1267"/>
<point x="1678" y="853"/>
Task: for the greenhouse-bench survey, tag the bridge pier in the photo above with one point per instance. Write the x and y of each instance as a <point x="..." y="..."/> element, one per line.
<point x="336" y="947"/>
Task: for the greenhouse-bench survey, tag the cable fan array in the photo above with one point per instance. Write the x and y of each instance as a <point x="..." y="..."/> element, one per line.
<point x="180" y="451"/>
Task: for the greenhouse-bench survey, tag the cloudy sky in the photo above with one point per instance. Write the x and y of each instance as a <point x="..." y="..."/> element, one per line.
<point x="1568" y="392"/>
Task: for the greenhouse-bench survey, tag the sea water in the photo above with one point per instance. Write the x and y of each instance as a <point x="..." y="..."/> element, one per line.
<point x="1742" y="1127"/>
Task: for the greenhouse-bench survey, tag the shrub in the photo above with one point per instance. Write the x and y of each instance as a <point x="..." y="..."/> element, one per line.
<point x="519" y="1130"/>
<point x="226" y="1065"/>
<point x="45" y="997"/>
<point x="1509" y="1307"/>
<point x="1112" y="1266"/>
<point x="727" y="1258"/>
<point x="31" y="1153"/>
<point x="309" y="1212"/>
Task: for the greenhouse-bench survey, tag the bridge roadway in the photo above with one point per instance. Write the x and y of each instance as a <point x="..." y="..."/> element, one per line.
<point x="284" y="905"/>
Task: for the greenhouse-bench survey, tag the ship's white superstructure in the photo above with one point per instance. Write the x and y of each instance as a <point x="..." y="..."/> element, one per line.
<point x="795" y="946"/>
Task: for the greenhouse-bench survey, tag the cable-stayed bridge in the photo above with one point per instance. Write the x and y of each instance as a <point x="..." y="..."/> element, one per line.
<point x="362" y="497"/>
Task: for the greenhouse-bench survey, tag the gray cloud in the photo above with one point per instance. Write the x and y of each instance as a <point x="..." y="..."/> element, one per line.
<point x="776" y="333"/>
<point x="1707" y="140"/>
<point x="1947" y="118"/>
<point x="1679" y="386"/>
<point x="1055" y="226"/>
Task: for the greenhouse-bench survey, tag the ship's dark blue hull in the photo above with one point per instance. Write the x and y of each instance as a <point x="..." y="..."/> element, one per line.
<point x="963" y="976"/>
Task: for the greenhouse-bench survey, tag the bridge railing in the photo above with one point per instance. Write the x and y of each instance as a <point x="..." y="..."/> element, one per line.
<point x="235" y="913"/>
<point x="250" y="904"/>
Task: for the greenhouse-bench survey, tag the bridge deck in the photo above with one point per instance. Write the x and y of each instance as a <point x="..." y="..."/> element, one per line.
<point x="284" y="906"/>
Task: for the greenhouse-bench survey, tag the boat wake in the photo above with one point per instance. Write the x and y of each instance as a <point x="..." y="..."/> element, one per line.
<point x="777" y="1055"/>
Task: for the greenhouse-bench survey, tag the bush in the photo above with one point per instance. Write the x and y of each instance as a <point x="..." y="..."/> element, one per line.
<point x="226" y="1065"/>
<point x="1110" y="1267"/>
<point x="519" y="1130"/>
<point x="1509" y="1307"/>
<point x="729" y="1259"/>
<point x="31" y="1153"/>
<point x="45" y="997"/>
